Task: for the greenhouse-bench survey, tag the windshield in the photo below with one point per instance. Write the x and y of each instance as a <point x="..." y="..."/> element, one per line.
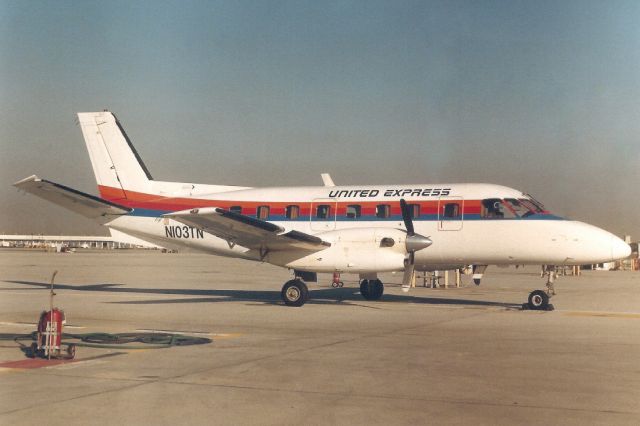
<point x="510" y="208"/>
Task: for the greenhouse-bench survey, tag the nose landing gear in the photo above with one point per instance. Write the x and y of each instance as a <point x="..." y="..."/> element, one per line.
<point x="539" y="299"/>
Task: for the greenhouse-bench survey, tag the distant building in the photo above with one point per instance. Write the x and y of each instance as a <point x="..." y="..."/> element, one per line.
<point x="68" y="241"/>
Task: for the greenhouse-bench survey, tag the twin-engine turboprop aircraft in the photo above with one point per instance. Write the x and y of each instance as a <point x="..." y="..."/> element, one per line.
<point x="362" y="230"/>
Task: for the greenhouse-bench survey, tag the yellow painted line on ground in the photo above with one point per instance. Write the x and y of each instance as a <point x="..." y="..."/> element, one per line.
<point x="226" y="335"/>
<point x="12" y="370"/>
<point x="603" y="314"/>
<point x="27" y="324"/>
<point x="193" y="333"/>
<point x="19" y="324"/>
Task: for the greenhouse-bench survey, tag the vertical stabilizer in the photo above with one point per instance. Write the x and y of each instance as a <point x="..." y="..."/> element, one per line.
<point x="116" y="164"/>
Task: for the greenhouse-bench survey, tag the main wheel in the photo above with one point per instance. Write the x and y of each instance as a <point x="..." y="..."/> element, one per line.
<point x="371" y="289"/>
<point x="294" y="293"/>
<point x="538" y="300"/>
<point x="364" y="289"/>
<point x="378" y="289"/>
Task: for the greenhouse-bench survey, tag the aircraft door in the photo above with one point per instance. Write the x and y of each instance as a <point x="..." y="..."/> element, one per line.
<point x="450" y="213"/>
<point x="323" y="214"/>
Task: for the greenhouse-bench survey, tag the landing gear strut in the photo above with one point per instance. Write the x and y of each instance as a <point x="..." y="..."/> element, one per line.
<point x="371" y="289"/>
<point x="294" y="293"/>
<point x="539" y="299"/>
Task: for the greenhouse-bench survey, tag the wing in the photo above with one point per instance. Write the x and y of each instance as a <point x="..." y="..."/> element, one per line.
<point x="85" y="204"/>
<point x="247" y="231"/>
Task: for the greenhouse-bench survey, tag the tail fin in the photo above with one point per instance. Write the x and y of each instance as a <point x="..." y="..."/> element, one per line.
<point x="116" y="164"/>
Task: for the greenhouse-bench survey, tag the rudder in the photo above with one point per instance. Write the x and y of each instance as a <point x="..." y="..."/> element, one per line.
<point x="117" y="165"/>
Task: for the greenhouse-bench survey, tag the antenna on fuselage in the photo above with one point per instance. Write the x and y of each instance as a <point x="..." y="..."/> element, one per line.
<point x="326" y="179"/>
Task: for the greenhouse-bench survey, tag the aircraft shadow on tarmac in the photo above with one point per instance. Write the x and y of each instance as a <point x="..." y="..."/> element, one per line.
<point x="333" y="296"/>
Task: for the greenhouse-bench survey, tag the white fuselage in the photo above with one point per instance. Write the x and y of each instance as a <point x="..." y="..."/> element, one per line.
<point x="356" y="222"/>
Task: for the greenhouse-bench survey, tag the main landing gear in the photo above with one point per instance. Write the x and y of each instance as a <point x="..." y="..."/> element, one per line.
<point x="539" y="299"/>
<point x="371" y="289"/>
<point x="294" y="292"/>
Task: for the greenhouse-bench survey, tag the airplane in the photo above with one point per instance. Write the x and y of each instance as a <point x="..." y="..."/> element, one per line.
<point x="364" y="230"/>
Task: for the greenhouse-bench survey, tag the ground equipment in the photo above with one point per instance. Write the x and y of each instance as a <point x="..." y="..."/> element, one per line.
<point x="48" y="343"/>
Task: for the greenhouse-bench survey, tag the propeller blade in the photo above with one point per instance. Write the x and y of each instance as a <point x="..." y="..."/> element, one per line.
<point x="406" y="216"/>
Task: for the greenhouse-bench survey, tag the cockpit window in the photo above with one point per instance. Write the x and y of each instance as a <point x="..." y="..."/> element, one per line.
<point x="538" y="204"/>
<point x="492" y="208"/>
<point x="518" y="207"/>
<point x="495" y="208"/>
<point x="533" y="206"/>
<point x="510" y="208"/>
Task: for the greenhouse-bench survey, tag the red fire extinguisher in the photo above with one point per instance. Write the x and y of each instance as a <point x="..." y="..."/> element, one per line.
<point x="50" y="331"/>
<point x="49" y="334"/>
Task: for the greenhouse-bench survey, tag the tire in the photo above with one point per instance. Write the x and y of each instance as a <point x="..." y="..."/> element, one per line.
<point x="377" y="290"/>
<point x="538" y="300"/>
<point x="33" y="350"/>
<point x="364" y="289"/>
<point x="371" y="289"/>
<point x="294" y="293"/>
<point x="71" y="351"/>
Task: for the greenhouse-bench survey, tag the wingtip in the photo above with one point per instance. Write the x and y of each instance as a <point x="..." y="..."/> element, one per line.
<point x="32" y="178"/>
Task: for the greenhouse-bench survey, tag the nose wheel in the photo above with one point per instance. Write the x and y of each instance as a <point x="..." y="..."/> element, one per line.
<point x="539" y="299"/>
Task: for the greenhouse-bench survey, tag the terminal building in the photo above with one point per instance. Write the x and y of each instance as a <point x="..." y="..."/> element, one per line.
<point x="69" y="241"/>
<point x="117" y="240"/>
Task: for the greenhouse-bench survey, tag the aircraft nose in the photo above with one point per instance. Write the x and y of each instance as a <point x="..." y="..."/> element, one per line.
<point x="619" y="249"/>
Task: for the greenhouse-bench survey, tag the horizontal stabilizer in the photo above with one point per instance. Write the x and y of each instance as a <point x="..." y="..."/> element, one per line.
<point x="247" y="231"/>
<point x="79" y="202"/>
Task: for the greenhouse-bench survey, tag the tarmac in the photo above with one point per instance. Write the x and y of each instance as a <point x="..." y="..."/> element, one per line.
<point x="466" y="355"/>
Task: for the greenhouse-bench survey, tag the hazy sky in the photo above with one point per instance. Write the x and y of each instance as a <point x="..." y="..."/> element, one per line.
<point x="540" y="96"/>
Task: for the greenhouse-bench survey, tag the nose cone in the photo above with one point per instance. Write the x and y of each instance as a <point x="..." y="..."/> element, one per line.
<point x="588" y="244"/>
<point x="619" y="249"/>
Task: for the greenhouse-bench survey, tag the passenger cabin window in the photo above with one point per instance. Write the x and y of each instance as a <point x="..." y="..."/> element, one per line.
<point x="414" y="210"/>
<point x="323" y="211"/>
<point x="293" y="212"/>
<point x="383" y="211"/>
<point x="451" y="210"/>
<point x="236" y="209"/>
<point x="353" y="211"/>
<point x="263" y="212"/>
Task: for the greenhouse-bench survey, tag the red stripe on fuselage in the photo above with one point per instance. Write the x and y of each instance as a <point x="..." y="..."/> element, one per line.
<point x="142" y="200"/>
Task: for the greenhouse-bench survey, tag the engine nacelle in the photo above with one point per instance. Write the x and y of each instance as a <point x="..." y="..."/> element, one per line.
<point x="356" y="250"/>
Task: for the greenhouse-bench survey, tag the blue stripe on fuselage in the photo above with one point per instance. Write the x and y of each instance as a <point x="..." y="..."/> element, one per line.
<point x="393" y="218"/>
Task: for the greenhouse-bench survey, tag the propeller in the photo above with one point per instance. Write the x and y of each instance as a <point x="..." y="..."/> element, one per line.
<point x="413" y="243"/>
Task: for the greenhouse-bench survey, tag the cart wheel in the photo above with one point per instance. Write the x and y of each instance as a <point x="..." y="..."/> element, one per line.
<point x="33" y="350"/>
<point x="71" y="351"/>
